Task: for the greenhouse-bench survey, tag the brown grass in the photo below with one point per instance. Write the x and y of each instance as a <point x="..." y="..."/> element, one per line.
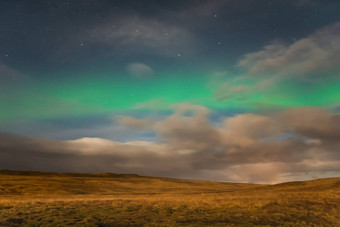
<point x="51" y="199"/>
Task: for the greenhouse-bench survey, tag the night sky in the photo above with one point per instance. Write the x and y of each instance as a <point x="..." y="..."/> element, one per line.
<point x="243" y="91"/>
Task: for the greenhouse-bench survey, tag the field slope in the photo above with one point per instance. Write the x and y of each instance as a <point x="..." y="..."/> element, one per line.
<point x="30" y="198"/>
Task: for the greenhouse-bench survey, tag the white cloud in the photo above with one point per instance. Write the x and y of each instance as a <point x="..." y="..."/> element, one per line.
<point x="312" y="58"/>
<point x="318" y="53"/>
<point x="139" y="70"/>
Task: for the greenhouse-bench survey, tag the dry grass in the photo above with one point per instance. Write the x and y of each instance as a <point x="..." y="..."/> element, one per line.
<point x="49" y="199"/>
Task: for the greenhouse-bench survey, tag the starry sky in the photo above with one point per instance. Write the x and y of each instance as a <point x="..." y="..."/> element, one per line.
<point x="243" y="91"/>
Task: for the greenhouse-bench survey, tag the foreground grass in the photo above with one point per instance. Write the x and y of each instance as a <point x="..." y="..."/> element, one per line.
<point x="37" y="199"/>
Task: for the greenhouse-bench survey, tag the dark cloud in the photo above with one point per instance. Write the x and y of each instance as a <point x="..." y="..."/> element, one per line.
<point x="246" y="148"/>
<point x="315" y="123"/>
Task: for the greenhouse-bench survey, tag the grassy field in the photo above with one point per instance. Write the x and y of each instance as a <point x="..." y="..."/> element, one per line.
<point x="52" y="199"/>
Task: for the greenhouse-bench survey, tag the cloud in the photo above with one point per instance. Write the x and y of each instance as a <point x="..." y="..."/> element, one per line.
<point x="335" y="108"/>
<point x="139" y="70"/>
<point x="138" y="34"/>
<point x="318" y="53"/>
<point x="134" y="123"/>
<point x="205" y="9"/>
<point x="243" y="148"/>
<point x="301" y="3"/>
<point x="249" y="125"/>
<point x="242" y="92"/>
<point x="10" y="81"/>
<point x="310" y="59"/>
<point x="315" y="123"/>
<point x="9" y="75"/>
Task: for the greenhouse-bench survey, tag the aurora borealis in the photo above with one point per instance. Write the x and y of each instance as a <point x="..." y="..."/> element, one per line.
<point x="245" y="91"/>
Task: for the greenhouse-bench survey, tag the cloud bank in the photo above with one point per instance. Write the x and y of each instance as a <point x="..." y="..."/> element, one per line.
<point x="295" y="144"/>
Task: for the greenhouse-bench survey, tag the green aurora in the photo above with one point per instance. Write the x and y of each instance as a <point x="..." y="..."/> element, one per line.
<point x="109" y="95"/>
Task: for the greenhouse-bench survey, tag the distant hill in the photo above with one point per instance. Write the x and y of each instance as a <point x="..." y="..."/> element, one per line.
<point x="29" y="198"/>
<point x="48" y="183"/>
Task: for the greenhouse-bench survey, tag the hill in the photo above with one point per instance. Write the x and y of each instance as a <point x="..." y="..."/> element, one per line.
<point x="59" y="199"/>
<point x="30" y="183"/>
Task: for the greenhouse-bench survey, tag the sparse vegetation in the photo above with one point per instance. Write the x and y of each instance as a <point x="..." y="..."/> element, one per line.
<point x="50" y="199"/>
